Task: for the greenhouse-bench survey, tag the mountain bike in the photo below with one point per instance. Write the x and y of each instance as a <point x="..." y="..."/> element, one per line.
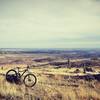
<point x="14" y="75"/>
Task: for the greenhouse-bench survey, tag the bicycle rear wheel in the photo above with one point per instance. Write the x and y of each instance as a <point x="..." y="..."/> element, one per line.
<point x="30" y="80"/>
<point x="11" y="75"/>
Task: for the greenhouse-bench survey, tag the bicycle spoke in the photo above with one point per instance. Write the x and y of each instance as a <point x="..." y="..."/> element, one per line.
<point x="30" y="80"/>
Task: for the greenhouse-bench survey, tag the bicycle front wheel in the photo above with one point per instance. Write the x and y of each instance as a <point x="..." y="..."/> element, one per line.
<point x="30" y="80"/>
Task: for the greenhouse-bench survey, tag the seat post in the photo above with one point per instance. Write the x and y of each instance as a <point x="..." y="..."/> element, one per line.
<point x="18" y="69"/>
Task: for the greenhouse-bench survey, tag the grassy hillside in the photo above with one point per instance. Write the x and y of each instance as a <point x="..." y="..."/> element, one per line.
<point x="49" y="87"/>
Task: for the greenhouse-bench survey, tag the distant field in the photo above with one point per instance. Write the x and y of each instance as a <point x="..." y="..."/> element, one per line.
<point x="54" y="81"/>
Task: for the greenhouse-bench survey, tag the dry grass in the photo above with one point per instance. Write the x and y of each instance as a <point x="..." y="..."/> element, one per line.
<point x="51" y="84"/>
<point x="49" y="88"/>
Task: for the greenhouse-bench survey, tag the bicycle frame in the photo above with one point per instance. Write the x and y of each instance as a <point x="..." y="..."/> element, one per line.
<point x="23" y="72"/>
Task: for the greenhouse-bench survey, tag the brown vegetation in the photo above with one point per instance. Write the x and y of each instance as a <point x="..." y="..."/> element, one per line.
<point x="53" y="83"/>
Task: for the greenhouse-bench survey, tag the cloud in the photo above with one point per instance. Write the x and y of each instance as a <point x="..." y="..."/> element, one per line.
<point x="48" y="23"/>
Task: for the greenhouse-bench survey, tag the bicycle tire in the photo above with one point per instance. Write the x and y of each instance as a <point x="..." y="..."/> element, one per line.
<point x="8" y="77"/>
<point x="27" y="77"/>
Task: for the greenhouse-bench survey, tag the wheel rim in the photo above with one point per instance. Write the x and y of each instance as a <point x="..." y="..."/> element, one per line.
<point x="30" y="80"/>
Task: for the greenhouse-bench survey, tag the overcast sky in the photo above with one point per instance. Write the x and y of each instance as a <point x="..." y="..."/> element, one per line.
<point x="49" y="23"/>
